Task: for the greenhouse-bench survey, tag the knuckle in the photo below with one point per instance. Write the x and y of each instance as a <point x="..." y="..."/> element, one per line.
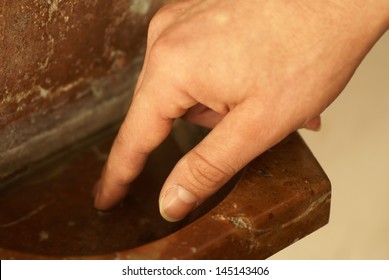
<point x="124" y="140"/>
<point x="207" y="173"/>
<point x="155" y="23"/>
<point x="168" y="41"/>
<point x="161" y="18"/>
<point x="161" y="49"/>
<point x="167" y="53"/>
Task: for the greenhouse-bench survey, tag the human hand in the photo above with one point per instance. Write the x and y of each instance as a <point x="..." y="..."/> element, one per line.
<point x="253" y="70"/>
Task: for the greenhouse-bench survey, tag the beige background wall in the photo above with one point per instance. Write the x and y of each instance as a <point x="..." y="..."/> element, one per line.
<point x="353" y="148"/>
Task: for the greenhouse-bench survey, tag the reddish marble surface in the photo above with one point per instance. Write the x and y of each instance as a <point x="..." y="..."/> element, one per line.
<point x="67" y="70"/>
<point x="279" y="198"/>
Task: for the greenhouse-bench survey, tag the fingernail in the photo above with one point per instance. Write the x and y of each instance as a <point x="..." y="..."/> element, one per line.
<point x="177" y="203"/>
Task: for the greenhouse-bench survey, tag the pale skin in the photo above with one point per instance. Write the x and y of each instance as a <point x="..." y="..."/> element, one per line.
<point x="252" y="70"/>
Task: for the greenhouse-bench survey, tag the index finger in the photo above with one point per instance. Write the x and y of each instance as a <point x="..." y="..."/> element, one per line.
<point x="148" y="122"/>
<point x="140" y="133"/>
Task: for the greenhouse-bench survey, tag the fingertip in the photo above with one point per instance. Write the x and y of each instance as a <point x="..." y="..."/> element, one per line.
<point x="176" y="203"/>
<point x="98" y="204"/>
<point x="102" y="201"/>
<point x="96" y="188"/>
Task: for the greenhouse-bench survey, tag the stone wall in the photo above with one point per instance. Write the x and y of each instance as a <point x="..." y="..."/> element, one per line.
<point x="67" y="70"/>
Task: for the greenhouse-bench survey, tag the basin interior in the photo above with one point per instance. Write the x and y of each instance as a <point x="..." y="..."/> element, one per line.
<point x="49" y="210"/>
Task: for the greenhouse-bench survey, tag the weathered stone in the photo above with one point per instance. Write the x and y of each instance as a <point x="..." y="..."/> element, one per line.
<point x="67" y="69"/>
<point x="49" y="213"/>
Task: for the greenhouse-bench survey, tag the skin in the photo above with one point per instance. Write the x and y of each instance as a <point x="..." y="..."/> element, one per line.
<point x="253" y="70"/>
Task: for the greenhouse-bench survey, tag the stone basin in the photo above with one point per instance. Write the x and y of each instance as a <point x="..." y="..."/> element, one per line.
<point x="68" y="71"/>
<point x="47" y="212"/>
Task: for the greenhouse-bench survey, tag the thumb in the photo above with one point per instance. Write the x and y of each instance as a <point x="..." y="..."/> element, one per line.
<point x="233" y="143"/>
